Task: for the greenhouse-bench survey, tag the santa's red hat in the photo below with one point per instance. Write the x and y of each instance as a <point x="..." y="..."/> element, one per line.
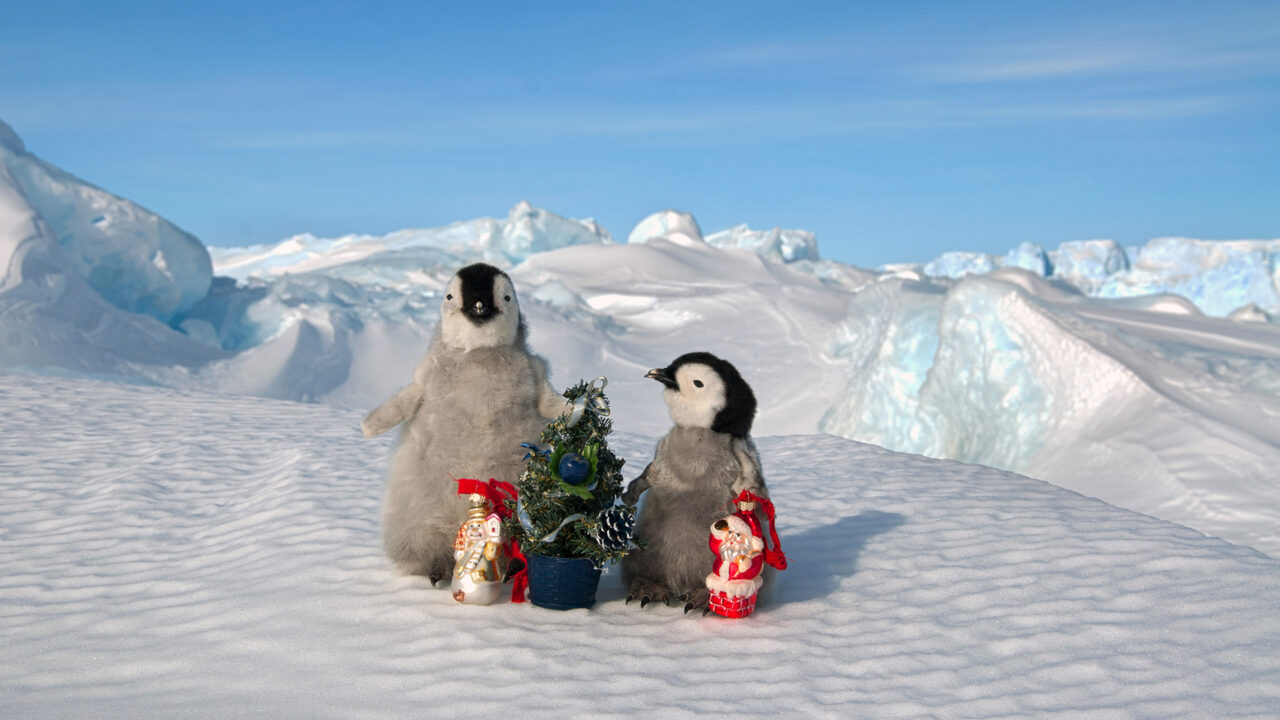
<point x="742" y="522"/>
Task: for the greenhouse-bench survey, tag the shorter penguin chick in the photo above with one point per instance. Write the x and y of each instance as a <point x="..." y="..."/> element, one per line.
<point x="699" y="467"/>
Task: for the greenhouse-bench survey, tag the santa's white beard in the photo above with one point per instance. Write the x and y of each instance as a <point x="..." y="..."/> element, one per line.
<point x="731" y="552"/>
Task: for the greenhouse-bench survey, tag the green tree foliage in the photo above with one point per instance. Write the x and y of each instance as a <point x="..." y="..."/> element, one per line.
<point x="557" y="519"/>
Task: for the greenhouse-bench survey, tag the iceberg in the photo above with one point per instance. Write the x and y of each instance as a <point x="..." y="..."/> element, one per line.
<point x="1103" y="397"/>
<point x="672" y="225"/>
<point x="957" y="264"/>
<point x="778" y="245"/>
<point x="1218" y="277"/>
<point x="414" y="256"/>
<point x="135" y="259"/>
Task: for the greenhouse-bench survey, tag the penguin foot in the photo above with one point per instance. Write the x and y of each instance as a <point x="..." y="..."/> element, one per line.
<point x="648" y="592"/>
<point x="439" y="570"/>
<point x="514" y="569"/>
<point x="696" y="599"/>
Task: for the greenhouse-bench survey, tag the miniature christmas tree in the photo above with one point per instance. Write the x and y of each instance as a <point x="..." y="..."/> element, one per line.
<point x="570" y="484"/>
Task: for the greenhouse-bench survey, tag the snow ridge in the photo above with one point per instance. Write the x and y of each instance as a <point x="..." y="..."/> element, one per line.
<point x="135" y="259"/>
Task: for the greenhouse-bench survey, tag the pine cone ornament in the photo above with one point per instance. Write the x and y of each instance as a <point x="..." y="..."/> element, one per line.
<point x="614" y="526"/>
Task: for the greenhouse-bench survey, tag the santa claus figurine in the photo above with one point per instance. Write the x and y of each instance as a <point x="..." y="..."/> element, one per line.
<point x="741" y="555"/>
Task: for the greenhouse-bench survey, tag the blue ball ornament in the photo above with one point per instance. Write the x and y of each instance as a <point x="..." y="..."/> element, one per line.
<point x="574" y="469"/>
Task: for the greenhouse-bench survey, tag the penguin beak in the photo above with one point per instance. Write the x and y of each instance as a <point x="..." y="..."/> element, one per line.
<point x="479" y="311"/>
<point x="664" y="377"/>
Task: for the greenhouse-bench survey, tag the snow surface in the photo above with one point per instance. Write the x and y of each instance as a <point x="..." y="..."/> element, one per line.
<point x="179" y="554"/>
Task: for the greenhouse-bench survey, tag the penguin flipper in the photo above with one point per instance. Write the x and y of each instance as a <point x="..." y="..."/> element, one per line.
<point x="551" y="404"/>
<point x="632" y="494"/>
<point x="394" y="411"/>
<point x="750" y="477"/>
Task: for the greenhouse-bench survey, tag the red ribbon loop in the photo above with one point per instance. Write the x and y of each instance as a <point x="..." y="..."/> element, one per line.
<point x="495" y="491"/>
<point x="772" y="555"/>
<point x="519" y="581"/>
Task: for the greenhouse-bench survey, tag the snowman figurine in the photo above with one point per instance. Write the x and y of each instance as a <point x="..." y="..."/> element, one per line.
<point x="479" y="552"/>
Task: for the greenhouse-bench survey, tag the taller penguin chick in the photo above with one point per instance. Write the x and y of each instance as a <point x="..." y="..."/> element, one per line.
<point x="476" y="395"/>
<point x="699" y="468"/>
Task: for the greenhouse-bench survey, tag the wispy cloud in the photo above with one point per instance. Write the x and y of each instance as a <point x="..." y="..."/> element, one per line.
<point x="712" y="125"/>
<point x="1100" y="58"/>
<point x="779" y="53"/>
<point x="301" y="139"/>
<point x="1033" y="64"/>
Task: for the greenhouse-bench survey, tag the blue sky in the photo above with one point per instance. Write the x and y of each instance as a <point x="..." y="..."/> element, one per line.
<point x="894" y="131"/>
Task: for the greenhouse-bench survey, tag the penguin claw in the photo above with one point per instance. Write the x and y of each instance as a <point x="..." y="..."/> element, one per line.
<point x="696" y="599"/>
<point x="433" y="579"/>
<point x="630" y="598"/>
<point x="644" y="601"/>
<point x="706" y="611"/>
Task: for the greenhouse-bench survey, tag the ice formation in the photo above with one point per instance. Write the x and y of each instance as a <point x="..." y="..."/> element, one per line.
<point x="409" y="257"/>
<point x="673" y="225"/>
<point x="1113" y="400"/>
<point x="135" y="259"/>
<point x="778" y="244"/>
<point x="1219" y="277"/>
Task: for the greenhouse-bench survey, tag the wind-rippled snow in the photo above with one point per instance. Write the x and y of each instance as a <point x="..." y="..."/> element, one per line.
<point x="171" y="554"/>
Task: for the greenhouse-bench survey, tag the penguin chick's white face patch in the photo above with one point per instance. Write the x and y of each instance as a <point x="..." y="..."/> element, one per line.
<point x="700" y="396"/>
<point x="475" y="317"/>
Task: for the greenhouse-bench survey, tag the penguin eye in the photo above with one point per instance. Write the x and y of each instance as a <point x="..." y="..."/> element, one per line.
<point x="697" y="383"/>
<point x="449" y="296"/>
<point x="506" y="298"/>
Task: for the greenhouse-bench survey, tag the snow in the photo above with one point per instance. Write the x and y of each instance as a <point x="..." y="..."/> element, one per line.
<point x="1089" y="263"/>
<point x="957" y="264"/>
<point x="671" y="225"/>
<point x="410" y="257"/>
<point x="50" y="317"/>
<point x="181" y="554"/>
<point x="778" y="244"/>
<point x="133" y="258"/>
<point x="9" y="139"/>
<point x="1217" y="277"/>
<point x="1171" y="414"/>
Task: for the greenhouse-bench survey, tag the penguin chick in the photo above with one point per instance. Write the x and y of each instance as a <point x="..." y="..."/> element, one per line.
<point x="476" y="395"/>
<point x="697" y="471"/>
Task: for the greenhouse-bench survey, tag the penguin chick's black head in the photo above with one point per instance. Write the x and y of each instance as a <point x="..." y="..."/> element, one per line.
<point x="477" y="292"/>
<point x="739" y="408"/>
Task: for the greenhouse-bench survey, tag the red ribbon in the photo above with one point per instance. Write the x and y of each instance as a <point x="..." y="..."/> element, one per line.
<point x="496" y="492"/>
<point x="519" y="581"/>
<point x="772" y="555"/>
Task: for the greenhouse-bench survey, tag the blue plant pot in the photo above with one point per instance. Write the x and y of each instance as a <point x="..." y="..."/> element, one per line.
<point x="562" y="583"/>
